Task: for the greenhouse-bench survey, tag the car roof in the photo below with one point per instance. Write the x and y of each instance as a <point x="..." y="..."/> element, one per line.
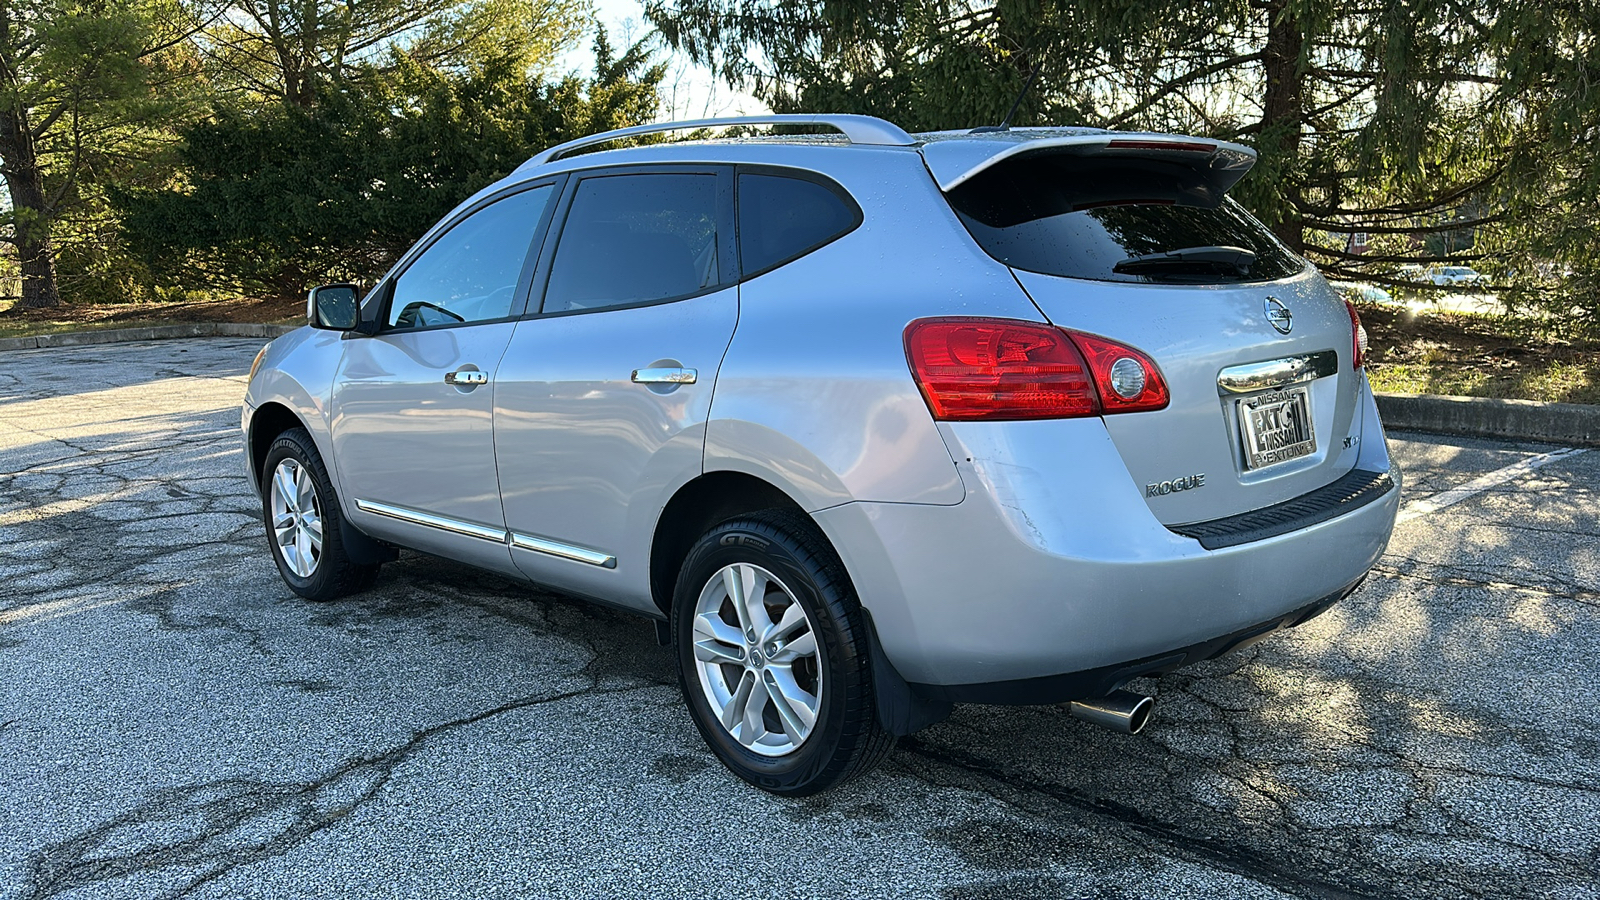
<point x="953" y="157"/>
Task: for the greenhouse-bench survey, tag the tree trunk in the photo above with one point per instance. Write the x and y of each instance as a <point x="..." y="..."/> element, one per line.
<point x="31" y="220"/>
<point x="1281" y="114"/>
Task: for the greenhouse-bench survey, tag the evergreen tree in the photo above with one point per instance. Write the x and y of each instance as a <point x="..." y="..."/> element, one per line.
<point x="1550" y="193"/>
<point x="1398" y="118"/>
<point x="282" y="50"/>
<point x="80" y="83"/>
<point x="285" y="196"/>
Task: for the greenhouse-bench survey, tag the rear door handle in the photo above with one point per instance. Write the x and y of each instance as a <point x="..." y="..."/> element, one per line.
<point x="464" y="376"/>
<point x="674" y="375"/>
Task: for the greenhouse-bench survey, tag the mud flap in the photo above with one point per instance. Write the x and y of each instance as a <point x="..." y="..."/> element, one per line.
<point x="901" y="711"/>
<point x="363" y="550"/>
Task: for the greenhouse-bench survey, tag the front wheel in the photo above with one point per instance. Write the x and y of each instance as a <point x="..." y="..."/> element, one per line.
<point x="303" y="522"/>
<point x="772" y="655"/>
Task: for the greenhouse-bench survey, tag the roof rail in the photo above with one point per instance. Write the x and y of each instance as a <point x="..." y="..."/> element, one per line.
<point x="857" y="129"/>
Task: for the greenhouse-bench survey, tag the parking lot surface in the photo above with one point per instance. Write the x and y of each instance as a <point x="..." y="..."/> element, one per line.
<point x="173" y="722"/>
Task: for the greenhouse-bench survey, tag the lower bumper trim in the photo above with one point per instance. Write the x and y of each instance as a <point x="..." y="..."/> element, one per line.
<point x="1356" y="489"/>
<point x="1101" y="681"/>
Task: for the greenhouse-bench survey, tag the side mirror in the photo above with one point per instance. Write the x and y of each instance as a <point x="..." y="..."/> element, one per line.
<point x="334" y="306"/>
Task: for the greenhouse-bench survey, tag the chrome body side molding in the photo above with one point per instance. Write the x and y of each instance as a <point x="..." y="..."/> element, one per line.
<point x="432" y="521"/>
<point x="520" y="541"/>
<point x="565" y="551"/>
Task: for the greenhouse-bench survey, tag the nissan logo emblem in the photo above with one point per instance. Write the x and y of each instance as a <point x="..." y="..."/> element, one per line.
<point x="1279" y="316"/>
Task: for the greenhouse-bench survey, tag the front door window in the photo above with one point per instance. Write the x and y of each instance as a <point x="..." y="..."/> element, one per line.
<point x="470" y="273"/>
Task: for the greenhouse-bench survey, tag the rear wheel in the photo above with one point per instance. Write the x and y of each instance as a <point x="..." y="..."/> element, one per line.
<point x="303" y="522"/>
<point x="772" y="656"/>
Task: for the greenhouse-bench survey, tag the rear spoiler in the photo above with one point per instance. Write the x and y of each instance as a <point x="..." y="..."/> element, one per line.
<point x="955" y="157"/>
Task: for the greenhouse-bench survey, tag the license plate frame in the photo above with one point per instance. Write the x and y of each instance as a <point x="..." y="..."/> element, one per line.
<point x="1276" y="427"/>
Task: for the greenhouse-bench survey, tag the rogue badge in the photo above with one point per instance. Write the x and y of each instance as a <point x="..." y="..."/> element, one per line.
<point x="1186" y="483"/>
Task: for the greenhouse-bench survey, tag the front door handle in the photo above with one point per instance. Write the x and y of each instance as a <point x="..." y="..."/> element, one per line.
<point x="466" y="377"/>
<point x="672" y="375"/>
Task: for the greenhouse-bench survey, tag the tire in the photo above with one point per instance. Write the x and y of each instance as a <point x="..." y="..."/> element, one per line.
<point x="309" y="548"/>
<point x="770" y="742"/>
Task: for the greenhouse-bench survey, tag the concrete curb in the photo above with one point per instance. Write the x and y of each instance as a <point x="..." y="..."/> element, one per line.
<point x="1528" y="420"/>
<point x="149" y="333"/>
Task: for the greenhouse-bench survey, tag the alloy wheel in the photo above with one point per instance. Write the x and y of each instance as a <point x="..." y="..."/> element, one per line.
<point x="296" y="518"/>
<point x="757" y="658"/>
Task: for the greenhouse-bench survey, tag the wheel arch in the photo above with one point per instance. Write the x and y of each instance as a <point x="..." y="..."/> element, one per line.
<point x="716" y="497"/>
<point x="269" y="420"/>
<point x="694" y="509"/>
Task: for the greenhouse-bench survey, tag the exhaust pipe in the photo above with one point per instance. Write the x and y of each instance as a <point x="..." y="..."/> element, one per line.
<point x="1122" y="711"/>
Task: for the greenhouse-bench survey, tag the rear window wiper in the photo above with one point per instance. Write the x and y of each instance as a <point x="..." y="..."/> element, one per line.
<point x="1210" y="259"/>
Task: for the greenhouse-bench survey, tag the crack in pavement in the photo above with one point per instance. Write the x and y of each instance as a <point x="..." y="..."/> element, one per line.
<point x="1013" y="789"/>
<point x="208" y="824"/>
<point x="1282" y="849"/>
<point x="1564" y="590"/>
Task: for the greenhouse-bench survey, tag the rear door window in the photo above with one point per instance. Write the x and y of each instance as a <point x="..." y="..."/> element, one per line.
<point x="782" y="218"/>
<point x="1083" y="217"/>
<point x="637" y="238"/>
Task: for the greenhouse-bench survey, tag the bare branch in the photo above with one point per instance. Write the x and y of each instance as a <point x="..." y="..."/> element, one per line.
<point x="1183" y="81"/>
<point x="1367" y="257"/>
<point x="1433" y="228"/>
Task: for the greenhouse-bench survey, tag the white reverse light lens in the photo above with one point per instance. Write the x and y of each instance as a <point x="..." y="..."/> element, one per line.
<point x="1127" y="378"/>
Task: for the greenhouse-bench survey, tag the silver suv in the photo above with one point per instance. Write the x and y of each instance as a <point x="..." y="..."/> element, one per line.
<point x="869" y="423"/>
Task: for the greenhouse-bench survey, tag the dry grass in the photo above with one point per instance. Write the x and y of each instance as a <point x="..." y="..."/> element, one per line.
<point x="18" y="322"/>
<point x="1477" y="356"/>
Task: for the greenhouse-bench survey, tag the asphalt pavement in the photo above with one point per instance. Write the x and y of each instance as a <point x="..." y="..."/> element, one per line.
<point x="174" y="722"/>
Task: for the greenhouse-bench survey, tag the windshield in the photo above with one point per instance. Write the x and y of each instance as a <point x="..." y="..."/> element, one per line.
<point x="1090" y="217"/>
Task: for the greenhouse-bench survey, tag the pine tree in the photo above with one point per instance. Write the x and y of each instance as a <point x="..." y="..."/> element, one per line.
<point x="78" y="79"/>
<point x="280" y="197"/>
<point x="1399" y="119"/>
<point x="281" y="50"/>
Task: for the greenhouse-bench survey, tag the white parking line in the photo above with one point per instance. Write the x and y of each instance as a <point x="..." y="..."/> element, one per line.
<point x="1482" y="483"/>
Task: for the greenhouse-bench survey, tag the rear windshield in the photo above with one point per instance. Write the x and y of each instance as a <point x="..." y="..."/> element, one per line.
<point x="1080" y="217"/>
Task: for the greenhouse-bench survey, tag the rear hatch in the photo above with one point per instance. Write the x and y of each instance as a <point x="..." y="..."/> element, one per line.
<point x="1131" y="237"/>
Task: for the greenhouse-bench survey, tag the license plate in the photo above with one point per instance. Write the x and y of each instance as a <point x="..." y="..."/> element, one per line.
<point x="1277" y="427"/>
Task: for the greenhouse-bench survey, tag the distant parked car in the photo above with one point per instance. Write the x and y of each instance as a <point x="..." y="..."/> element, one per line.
<point x="1362" y="293"/>
<point x="867" y="427"/>
<point x="1443" y="276"/>
<point x="1413" y="272"/>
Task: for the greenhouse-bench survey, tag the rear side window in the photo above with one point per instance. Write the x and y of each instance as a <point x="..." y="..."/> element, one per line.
<point x="783" y="218"/>
<point x="636" y="239"/>
<point x="1109" y="219"/>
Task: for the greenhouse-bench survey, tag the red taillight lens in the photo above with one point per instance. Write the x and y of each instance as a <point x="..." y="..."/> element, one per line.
<point x="998" y="369"/>
<point x="1003" y="370"/>
<point x="1127" y="379"/>
<point x="1358" y="337"/>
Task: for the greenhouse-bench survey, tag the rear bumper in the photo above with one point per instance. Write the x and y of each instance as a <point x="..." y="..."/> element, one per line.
<point x="1048" y="586"/>
<point x="1101" y="681"/>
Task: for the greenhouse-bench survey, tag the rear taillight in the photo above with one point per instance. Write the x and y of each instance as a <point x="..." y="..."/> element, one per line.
<point x="1358" y="337"/>
<point x="1128" y="380"/>
<point x="1002" y="370"/>
<point x="998" y="369"/>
